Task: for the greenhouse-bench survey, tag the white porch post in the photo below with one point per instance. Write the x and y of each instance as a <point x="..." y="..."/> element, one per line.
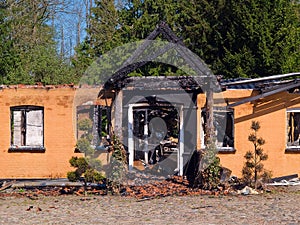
<point x="130" y="138"/>
<point x="181" y="142"/>
<point x="146" y="137"/>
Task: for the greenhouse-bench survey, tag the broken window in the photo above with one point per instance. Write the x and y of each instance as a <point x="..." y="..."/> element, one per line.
<point x="27" y="126"/>
<point x="293" y="127"/>
<point x="93" y="123"/>
<point x="224" y="127"/>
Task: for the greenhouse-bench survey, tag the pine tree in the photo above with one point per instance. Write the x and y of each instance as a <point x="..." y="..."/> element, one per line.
<point x="254" y="167"/>
<point x="261" y="40"/>
<point x="104" y="27"/>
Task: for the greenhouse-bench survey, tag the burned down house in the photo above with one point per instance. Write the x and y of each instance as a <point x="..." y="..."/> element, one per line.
<point x="157" y="122"/>
<point x="160" y="120"/>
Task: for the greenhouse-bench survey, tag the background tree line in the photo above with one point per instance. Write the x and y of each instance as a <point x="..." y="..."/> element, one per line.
<point x="235" y="38"/>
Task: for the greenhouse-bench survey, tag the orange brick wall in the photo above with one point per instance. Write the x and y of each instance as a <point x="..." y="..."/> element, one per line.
<point x="59" y="139"/>
<point x="59" y="131"/>
<point x="271" y="113"/>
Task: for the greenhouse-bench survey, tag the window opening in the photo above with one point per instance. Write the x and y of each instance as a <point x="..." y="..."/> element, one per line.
<point x="224" y="127"/>
<point x="27" y="126"/>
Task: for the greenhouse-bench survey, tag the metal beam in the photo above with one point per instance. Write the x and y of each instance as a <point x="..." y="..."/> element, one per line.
<point x="273" y="77"/>
<point x="250" y="99"/>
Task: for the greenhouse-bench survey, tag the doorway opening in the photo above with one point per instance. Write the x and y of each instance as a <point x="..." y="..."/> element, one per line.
<point x="155" y="138"/>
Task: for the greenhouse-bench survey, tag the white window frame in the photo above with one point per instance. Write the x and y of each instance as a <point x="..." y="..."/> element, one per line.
<point x="291" y="146"/>
<point x="218" y="144"/>
<point x="28" y="134"/>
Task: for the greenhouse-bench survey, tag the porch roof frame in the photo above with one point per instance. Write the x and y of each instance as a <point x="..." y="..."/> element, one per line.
<point x="204" y="74"/>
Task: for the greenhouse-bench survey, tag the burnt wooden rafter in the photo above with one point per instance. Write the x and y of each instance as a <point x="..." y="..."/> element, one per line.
<point x="129" y="67"/>
<point x="187" y="83"/>
<point x="168" y="34"/>
<point x="117" y="80"/>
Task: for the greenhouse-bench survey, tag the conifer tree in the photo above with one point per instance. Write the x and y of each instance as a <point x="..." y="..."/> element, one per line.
<point x="254" y="167"/>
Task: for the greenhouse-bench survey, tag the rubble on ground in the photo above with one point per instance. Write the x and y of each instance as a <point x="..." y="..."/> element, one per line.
<point x="248" y="191"/>
<point x="291" y="182"/>
<point x="173" y="186"/>
<point x="139" y="187"/>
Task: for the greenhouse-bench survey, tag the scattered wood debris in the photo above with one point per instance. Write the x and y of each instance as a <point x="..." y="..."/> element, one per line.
<point x="6" y="185"/>
<point x="176" y="185"/>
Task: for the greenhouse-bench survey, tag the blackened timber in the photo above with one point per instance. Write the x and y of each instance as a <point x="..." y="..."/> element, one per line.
<point x="167" y="33"/>
<point x="275" y="85"/>
<point x="288" y="177"/>
<point x="209" y="117"/>
<point x="193" y="62"/>
<point x="164" y="83"/>
<point x="109" y="122"/>
<point x="145" y="44"/>
<point x="131" y="66"/>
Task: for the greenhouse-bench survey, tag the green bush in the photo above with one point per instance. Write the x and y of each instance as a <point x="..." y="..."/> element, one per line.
<point x="85" y="124"/>
<point x="72" y="176"/>
<point x="209" y="170"/>
<point x="84" y="145"/>
<point x="92" y="176"/>
<point x="83" y="168"/>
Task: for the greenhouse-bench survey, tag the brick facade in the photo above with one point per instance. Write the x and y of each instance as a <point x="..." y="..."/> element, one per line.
<point x="59" y="130"/>
<point x="59" y="139"/>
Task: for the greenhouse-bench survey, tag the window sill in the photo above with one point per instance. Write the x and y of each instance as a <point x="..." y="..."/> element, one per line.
<point x="226" y="150"/>
<point x="295" y="149"/>
<point x="30" y="149"/>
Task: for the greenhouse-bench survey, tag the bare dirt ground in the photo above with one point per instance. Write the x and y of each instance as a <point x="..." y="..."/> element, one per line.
<point x="278" y="207"/>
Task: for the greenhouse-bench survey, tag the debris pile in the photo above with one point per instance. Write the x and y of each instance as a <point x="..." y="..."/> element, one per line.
<point x="248" y="191"/>
<point x="33" y="193"/>
<point x="33" y="188"/>
<point x="82" y="191"/>
<point x="291" y="180"/>
<point x="176" y="185"/>
<point x="138" y="178"/>
<point x="140" y="187"/>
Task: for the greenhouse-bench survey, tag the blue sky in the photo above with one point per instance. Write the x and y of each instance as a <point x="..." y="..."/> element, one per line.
<point x="66" y="21"/>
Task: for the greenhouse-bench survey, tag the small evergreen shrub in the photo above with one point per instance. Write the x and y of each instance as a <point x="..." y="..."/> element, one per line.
<point x="254" y="168"/>
<point x="117" y="170"/>
<point x="85" y="169"/>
